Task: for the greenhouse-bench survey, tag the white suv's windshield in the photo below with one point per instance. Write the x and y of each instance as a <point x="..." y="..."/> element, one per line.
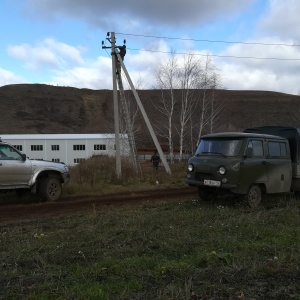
<point x="225" y="147"/>
<point x="9" y="153"/>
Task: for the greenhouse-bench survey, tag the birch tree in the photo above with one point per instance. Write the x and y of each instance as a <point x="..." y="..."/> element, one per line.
<point x="166" y="77"/>
<point x="205" y="115"/>
<point x="216" y="107"/>
<point x="204" y="85"/>
<point x="188" y="76"/>
<point x="187" y="102"/>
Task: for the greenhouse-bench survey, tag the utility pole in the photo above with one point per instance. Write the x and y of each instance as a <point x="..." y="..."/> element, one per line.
<point x="112" y="40"/>
<point x="129" y="127"/>
<point x="117" y="71"/>
<point x="125" y="109"/>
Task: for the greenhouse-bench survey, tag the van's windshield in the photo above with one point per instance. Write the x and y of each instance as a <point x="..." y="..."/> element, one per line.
<point x="225" y="147"/>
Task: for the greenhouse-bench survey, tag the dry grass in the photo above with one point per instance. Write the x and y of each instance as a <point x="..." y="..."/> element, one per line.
<point x="98" y="176"/>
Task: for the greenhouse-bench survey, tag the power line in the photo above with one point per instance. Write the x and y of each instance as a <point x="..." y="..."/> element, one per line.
<point x="215" y="55"/>
<point x="108" y="54"/>
<point x="209" y="41"/>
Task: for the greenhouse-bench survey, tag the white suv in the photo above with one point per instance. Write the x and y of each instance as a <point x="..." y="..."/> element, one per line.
<point x="17" y="172"/>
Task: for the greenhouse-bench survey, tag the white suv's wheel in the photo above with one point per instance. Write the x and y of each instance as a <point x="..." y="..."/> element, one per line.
<point x="50" y="189"/>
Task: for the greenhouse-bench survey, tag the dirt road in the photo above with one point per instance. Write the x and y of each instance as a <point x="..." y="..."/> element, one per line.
<point x="31" y="210"/>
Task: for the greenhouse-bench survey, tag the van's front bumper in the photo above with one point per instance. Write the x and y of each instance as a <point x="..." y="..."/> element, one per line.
<point x="225" y="186"/>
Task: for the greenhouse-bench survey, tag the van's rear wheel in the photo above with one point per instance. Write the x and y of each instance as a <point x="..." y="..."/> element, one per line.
<point x="253" y="196"/>
<point x="50" y="189"/>
<point x="207" y="195"/>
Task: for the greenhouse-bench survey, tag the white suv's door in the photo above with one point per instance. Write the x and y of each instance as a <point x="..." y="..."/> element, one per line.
<point x="14" y="170"/>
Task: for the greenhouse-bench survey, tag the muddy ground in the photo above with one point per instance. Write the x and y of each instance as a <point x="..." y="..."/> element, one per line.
<point x="30" y="209"/>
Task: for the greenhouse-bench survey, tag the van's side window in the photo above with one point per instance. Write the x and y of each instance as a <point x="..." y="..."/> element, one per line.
<point x="257" y="147"/>
<point x="277" y="149"/>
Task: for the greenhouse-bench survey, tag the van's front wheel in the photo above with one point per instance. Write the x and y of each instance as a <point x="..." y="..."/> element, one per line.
<point x="253" y="196"/>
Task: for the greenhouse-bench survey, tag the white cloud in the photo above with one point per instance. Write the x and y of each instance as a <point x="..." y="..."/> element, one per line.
<point x="7" y="77"/>
<point x="282" y="19"/>
<point x="239" y="78"/>
<point x="48" y="53"/>
<point x="98" y="74"/>
<point x="266" y="64"/>
<point x="34" y="58"/>
<point x="73" y="53"/>
<point x="93" y="75"/>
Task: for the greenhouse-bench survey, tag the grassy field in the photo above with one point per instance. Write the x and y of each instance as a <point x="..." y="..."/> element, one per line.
<point x="181" y="249"/>
<point x="177" y="250"/>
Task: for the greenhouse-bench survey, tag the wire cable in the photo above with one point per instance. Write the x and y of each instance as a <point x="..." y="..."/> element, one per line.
<point x="209" y="41"/>
<point x="216" y="55"/>
<point x="108" y="54"/>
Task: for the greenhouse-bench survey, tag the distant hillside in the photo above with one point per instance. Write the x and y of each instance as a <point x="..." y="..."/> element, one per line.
<point x="38" y="108"/>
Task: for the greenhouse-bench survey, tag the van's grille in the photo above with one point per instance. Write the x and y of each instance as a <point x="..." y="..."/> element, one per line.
<point x="201" y="176"/>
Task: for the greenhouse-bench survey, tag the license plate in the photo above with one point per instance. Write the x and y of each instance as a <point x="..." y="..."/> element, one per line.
<point x="212" y="182"/>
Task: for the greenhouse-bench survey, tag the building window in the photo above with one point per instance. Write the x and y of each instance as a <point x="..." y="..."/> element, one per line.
<point x="55" y="159"/>
<point x="78" y="147"/>
<point x="78" y="160"/>
<point x="55" y="147"/>
<point x="36" y="147"/>
<point x="99" y="147"/>
<point x="18" y="147"/>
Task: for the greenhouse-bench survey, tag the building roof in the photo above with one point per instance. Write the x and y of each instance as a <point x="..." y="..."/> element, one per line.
<point x="58" y="136"/>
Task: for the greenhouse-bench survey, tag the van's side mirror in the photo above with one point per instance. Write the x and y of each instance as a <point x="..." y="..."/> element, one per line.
<point x="24" y="157"/>
<point x="248" y="152"/>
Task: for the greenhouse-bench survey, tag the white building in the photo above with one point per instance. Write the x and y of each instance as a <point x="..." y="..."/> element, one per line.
<point x="68" y="148"/>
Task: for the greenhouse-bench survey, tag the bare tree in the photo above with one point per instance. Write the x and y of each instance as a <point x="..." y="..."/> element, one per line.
<point x="188" y="76"/>
<point x="187" y="104"/>
<point x="204" y="85"/>
<point x="167" y="81"/>
<point x="134" y="112"/>
<point x="216" y="107"/>
<point x="207" y="108"/>
<point x="204" y="117"/>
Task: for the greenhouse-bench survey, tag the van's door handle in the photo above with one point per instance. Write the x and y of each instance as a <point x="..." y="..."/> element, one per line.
<point x="264" y="162"/>
<point x="0" y="164"/>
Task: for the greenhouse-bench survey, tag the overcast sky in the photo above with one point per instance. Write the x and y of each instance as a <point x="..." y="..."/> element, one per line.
<point x="255" y="44"/>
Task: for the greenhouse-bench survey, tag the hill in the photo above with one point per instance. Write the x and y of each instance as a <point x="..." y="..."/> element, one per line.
<point x="39" y="108"/>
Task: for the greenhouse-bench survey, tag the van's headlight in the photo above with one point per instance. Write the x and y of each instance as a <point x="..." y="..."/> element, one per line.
<point x="222" y="170"/>
<point x="190" y="167"/>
